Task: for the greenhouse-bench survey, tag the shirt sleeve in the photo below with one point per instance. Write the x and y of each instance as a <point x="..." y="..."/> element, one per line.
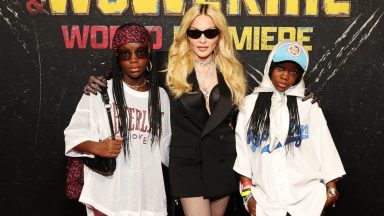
<point x="242" y="163"/>
<point x="82" y="127"/>
<point x="331" y="165"/>
<point x="165" y="139"/>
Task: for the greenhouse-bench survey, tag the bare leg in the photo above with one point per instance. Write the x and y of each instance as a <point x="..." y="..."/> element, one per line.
<point x="196" y="206"/>
<point x="218" y="206"/>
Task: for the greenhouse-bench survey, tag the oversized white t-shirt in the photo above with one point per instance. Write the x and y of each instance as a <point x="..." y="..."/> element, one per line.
<point x="137" y="186"/>
<point x="287" y="179"/>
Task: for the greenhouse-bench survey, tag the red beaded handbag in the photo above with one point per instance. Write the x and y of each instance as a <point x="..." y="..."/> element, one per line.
<point x="75" y="177"/>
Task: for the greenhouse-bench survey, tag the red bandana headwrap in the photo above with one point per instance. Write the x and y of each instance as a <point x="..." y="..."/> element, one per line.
<point x="131" y="33"/>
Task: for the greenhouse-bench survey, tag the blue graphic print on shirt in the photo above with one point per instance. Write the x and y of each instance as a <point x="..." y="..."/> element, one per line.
<point x="254" y="141"/>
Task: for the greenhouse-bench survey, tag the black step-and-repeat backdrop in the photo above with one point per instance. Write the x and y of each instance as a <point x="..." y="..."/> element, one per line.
<point x="50" y="47"/>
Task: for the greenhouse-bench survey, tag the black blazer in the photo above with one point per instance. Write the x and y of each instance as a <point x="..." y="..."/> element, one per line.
<point x="202" y="150"/>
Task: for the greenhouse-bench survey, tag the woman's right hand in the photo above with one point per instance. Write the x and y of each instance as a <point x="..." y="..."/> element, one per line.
<point x="94" y="84"/>
<point x="251" y="204"/>
<point x="109" y="148"/>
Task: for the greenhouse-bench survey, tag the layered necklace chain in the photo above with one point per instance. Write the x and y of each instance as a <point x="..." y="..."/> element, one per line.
<point x="205" y="78"/>
<point x="204" y="63"/>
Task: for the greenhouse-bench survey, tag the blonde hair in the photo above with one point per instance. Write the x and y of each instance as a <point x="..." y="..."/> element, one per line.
<point x="180" y="57"/>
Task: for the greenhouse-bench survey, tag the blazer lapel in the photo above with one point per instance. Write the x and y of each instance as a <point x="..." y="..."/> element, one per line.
<point x="194" y="103"/>
<point x="222" y="108"/>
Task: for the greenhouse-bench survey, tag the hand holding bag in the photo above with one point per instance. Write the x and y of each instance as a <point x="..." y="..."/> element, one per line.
<point x="75" y="165"/>
<point x="104" y="166"/>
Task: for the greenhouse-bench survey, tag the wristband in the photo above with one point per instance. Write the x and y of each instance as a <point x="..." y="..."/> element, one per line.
<point x="246" y="198"/>
<point x="245" y="193"/>
<point x="246" y="185"/>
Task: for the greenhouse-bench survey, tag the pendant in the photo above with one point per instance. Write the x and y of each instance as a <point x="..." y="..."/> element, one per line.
<point x="205" y="93"/>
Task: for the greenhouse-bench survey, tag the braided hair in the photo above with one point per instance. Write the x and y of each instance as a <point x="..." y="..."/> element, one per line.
<point x="130" y="33"/>
<point x="259" y="122"/>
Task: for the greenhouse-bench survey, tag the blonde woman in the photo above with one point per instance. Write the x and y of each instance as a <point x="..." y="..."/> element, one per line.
<point x="206" y="85"/>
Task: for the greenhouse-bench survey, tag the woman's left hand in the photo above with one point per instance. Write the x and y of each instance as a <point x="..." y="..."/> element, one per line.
<point x="308" y="95"/>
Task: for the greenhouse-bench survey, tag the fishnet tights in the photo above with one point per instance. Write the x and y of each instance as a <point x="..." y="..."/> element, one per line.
<point x="198" y="206"/>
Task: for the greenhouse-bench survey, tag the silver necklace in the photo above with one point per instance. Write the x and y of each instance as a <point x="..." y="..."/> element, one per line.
<point x="200" y="79"/>
<point x="137" y="86"/>
<point x="204" y="63"/>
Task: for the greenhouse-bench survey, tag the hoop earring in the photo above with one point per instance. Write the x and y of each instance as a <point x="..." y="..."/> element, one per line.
<point x="150" y="66"/>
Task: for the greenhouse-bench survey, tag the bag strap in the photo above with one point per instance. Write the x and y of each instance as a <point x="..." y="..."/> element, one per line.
<point x="105" y="98"/>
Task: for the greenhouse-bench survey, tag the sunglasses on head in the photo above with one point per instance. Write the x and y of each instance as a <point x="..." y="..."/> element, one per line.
<point x="209" y="33"/>
<point x="141" y="53"/>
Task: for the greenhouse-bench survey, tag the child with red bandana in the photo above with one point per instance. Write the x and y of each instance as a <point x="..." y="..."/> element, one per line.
<point x="141" y="118"/>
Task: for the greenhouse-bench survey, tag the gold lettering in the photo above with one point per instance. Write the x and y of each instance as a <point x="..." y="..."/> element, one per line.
<point x="256" y="38"/>
<point x="215" y="3"/>
<point x="59" y="7"/>
<point x="174" y="7"/>
<point x="265" y="37"/>
<point x="283" y="31"/>
<point x="303" y="38"/>
<point x="337" y="8"/>
<point x="252" y="8"/>
<point x="292" y="7"/>
<point x="152" y="7"/>
<point x="272" y="7"/>
<point x="116" y="7"/>
<point x="246" y="38"/>
<point x="147" y="7"/>
<point x="311" y="8"/>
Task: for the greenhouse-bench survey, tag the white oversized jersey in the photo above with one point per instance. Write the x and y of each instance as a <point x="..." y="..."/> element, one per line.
<point x="288" y="176"/>
<point x="289" y="180"/>
<point x="136" y="188"/>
